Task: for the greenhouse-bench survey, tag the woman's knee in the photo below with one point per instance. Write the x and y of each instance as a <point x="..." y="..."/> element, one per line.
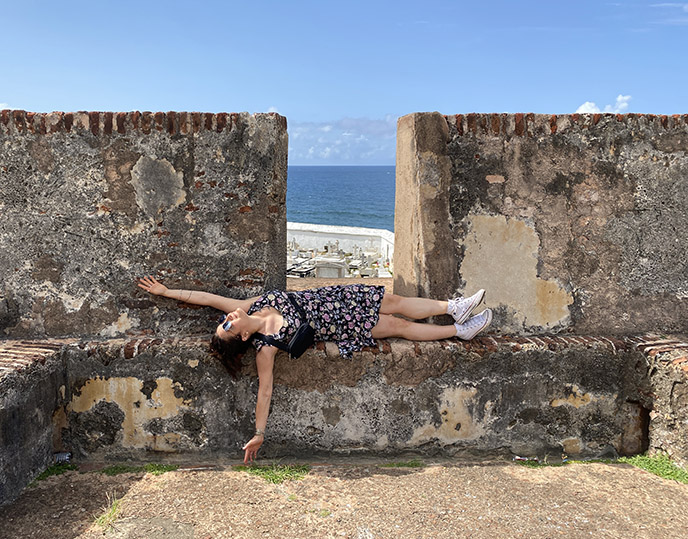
<point x="390" y="303"/>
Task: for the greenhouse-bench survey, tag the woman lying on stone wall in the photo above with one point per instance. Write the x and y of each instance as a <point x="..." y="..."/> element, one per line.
<point x="351" y="316"/>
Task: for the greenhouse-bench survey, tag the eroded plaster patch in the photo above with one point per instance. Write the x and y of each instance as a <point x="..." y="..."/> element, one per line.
<point x="576" y="398"/>
<point x="138" y="409"/>
<point x="501" y="256"/>
<point x="457" y="422"/>
<point x="122" y="324"/>
<point x="158" y="186"/>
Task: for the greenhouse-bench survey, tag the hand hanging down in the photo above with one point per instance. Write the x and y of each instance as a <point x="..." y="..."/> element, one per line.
<point x="251" y="448"/>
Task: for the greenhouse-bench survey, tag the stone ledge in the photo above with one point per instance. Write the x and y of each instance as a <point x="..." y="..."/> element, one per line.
<point x="134" y="397"/>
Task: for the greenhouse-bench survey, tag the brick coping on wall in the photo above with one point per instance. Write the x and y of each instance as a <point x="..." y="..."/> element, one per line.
<point x="113" y="123"/>
<point x="530" y="124"/>
<point x="20" y="355"/>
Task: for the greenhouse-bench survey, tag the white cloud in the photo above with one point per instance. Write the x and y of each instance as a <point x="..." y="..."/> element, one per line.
<point x="620" y="106"/>
<point x="682" y="6"/>
<point x="273" y="109"/>
<point x="352" y="141"/>
<point x="4" y="106"/>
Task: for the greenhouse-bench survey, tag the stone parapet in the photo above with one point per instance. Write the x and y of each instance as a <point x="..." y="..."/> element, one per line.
<point x="92" y="200"/>
<point x="572" y="223"/>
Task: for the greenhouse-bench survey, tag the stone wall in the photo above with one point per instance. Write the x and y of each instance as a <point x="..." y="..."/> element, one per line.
<point x="571" y="223"/>
<point x="91" y="200"/>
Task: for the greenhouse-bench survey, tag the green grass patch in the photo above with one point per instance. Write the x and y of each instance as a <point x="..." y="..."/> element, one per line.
<point x="110" y="512"/>
<point x="56" y="469"/>
<point x="660" y="465"/>
<point x="414" y="463"/>
<point x="278" y="473"/>
<point x="154" y="469"/>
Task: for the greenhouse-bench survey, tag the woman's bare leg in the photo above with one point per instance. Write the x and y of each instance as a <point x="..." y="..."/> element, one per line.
<point x="415" y="308"/>
<point x="391" y="326"/>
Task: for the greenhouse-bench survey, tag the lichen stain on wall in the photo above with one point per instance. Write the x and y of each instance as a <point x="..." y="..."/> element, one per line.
<point x="137" y="407"/>
<point x="457" y="421"/>
<point x="494" y="243"/>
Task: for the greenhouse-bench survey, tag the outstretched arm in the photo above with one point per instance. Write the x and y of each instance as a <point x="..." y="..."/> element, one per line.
<point x="196" y="297"/>
<point x="265" y="360"/>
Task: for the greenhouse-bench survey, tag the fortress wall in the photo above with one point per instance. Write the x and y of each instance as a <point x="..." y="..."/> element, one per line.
<point x="572" y="223"/>
<point x="91" y="200"/>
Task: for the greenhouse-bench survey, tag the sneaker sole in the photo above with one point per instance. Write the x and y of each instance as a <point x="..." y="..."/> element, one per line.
<point x="481" y="328"/>
<point x="467" y="314"/>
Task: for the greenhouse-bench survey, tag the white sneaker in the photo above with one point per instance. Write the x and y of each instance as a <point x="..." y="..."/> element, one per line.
<point x="474" y="325"/>
<point x="461" y="308"/>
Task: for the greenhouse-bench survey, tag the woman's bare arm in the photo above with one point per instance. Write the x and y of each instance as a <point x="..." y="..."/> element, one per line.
<point x="265" y="360"/>
<point x="196" y="297"/>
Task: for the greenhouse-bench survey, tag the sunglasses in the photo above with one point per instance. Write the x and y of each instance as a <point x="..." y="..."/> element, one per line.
<point x="226" y="324"/>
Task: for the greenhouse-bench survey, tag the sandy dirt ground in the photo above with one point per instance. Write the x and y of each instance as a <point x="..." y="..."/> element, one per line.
<point x="358" y="499"/>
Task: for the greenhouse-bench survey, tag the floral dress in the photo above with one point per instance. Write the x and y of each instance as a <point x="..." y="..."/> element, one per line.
<point x="345" y="315"/>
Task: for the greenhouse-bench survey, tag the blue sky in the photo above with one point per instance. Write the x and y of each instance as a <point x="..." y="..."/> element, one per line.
<point x="343" y="72"/>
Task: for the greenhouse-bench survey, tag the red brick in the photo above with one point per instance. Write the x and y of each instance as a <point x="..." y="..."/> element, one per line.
<point x="19" y="121"/>
<point x="471" y="122"/>
<point x="273" y="209"/>
<point x="94" y="122"/>
<point x="221" y="121"/>
<point x="245" y="209"/>
<point x="107" y="123"/>
<point x="129" y="349"/>
<point x="386" y="347"/>
<point x="495" y="123"/>
<point x="196" y="120"/>
<point x="68" y="121"/>
<point x="146" y="122"/>
<point x="208" y="121"/>
<point x="183" y="128"/>
<point x="620" y="117"/>
<point x="459" y="123"/>
<point x="42" y="128"/>
<point x="520" y="124"/>
<point x="664" y="120"/>
<point x="171" y="121"/>
<point x="121" y="117"/>
<point x="679" y="360"/>
<point x="190" y="207"/>
<point x="553" y="123"/>
<point x="596" y="119"/>
<point x="135" y="119"/>
<point x="159" y="121"/>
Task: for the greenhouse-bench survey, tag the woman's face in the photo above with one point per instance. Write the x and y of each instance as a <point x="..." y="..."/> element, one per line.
<point x="238" y="329"/>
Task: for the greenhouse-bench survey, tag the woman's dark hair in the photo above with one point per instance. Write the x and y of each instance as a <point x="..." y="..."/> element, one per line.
<point x="229" y="352"/>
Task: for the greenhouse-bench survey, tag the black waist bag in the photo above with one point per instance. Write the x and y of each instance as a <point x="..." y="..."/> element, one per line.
<point x="302" y="340"/>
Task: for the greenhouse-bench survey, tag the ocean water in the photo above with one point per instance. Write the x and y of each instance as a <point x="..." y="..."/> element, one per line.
<point x="345" y="196"/>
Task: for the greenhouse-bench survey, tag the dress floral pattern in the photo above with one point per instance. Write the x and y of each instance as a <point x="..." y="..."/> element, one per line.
<point x="345" y="315"/>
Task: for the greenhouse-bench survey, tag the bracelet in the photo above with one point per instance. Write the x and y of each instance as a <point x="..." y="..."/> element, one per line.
<point x="260" y="432"/>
